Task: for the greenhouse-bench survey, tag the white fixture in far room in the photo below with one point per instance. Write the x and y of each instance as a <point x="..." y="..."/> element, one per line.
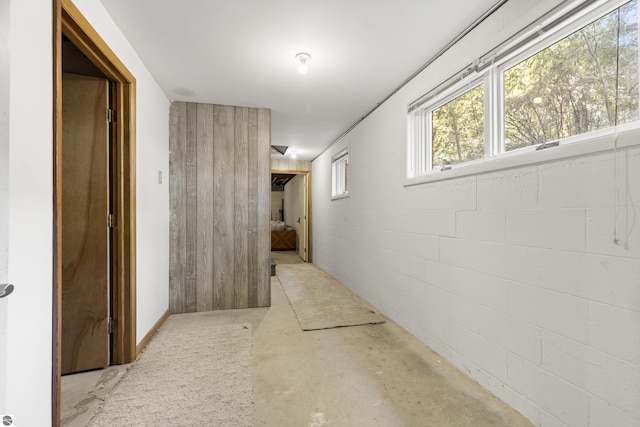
<point x="303" y="57"/>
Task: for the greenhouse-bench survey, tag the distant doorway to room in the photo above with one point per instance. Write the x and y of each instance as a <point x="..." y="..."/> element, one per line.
<point x="290" y="219"/>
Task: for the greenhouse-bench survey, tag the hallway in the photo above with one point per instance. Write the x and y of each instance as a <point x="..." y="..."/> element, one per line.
<point x="286" y="257"/>
<point x="374" y="375"/>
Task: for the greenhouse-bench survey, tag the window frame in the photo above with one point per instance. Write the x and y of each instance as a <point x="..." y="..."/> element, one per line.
<point x="425" y="155"/>
<point x="490" y="71"/>
<point x="340" y="176"/>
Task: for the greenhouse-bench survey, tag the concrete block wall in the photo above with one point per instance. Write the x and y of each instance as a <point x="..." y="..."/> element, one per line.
<point x="521" y="286"/>
<point x="513" y="275"/>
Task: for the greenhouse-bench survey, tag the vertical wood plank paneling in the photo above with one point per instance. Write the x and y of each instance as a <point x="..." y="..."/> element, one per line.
<point x="220" y="207"/>
<point x="205" y="208"/>
<point x="263" y="176"/>
<point x="284" y="164"/>
<point x="177" y="194"/>
<point x="223" y="194"/>
<point x="241" y="208"/>
<point x="252" y="222"/>
<point x="191" y="222"/>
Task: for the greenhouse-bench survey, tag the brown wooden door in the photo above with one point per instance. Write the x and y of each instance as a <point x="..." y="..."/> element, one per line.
<point x="85" y="232"/>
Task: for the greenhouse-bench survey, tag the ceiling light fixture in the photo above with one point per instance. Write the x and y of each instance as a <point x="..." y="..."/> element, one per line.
<point x="303" y="57"/>
<point x="293" y="154"/>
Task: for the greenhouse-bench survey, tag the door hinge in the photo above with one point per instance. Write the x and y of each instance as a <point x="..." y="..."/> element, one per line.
<point x="112" y="221"/>
<point x="111" y="325"/>
<point x="111" y="115"/>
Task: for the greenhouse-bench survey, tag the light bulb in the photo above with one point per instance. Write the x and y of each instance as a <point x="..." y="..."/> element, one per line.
<point x="303" y="57"/>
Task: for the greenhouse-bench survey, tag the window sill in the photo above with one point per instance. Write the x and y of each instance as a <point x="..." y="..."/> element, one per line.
<point x="340" y="196"/>
<point x="599" y="141"/>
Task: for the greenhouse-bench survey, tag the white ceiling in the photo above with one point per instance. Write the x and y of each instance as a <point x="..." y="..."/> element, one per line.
<point x="242" y="52"/>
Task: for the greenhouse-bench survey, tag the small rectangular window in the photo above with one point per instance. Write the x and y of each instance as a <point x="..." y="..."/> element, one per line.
<point x="340" y="175"/>
<point x="457" y="129"/>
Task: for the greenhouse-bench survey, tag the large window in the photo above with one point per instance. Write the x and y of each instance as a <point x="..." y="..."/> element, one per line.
<point x="575" y="79"/>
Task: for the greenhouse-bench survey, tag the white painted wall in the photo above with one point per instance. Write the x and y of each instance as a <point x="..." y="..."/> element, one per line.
<point x="276" y="204"/>
<point x="292" y="207"/>
<point x="511" y="275"/>
<point x="29" y="324"/>
<point x="28" y="377"/>
<point x="4" y="189"/>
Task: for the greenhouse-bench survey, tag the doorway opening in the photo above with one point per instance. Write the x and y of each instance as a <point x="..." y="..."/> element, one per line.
<point x="119" y="221"/>
<point x="291" y="215"/>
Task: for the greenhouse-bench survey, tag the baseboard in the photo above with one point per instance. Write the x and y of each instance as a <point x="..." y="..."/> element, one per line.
<point x="152" y="332"/>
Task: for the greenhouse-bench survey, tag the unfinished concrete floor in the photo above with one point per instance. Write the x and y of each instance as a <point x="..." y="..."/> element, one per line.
<point x="286" y="257"/>
<point x="374" y="375"/>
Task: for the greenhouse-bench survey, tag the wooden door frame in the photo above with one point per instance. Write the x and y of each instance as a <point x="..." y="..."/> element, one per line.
<point x="69" y="20"/>
<point x="308" y="174"/>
